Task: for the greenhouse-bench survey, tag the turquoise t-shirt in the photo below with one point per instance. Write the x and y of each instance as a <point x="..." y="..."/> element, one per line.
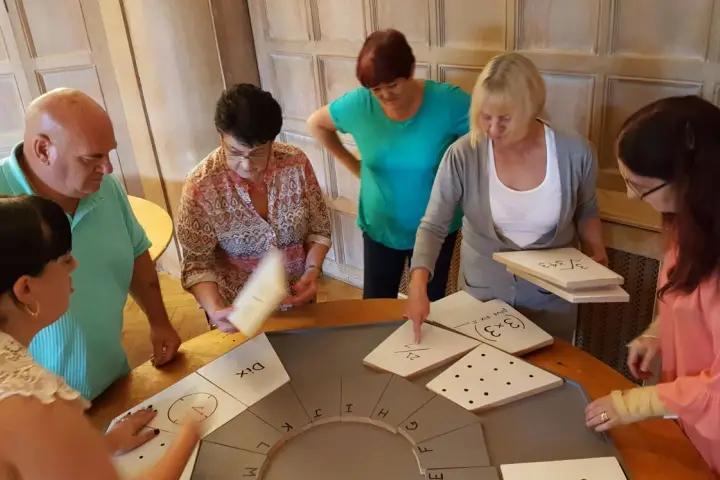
<point x="399" y="160"/>
<point x="84" y="345"/>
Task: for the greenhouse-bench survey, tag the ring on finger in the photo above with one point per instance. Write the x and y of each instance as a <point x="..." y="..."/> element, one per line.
<point x="604" y="417"/>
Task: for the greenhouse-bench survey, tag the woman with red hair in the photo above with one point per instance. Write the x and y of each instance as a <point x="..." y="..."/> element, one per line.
<point x="402" y="127"/>
<point x="669" y="155"/>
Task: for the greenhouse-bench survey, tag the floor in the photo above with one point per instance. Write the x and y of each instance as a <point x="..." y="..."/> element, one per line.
<point x="189" y="320"/>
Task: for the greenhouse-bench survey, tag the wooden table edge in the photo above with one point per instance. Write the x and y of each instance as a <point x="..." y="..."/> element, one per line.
<point x="653" y="449"/>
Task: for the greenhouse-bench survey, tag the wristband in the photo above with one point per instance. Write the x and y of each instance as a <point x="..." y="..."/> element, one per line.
<point x="638" y="404"/>
<point x="310" y="267"/>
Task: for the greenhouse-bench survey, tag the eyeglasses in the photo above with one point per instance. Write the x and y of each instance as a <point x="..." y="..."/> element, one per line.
<point x="257" y="154"/>
<point x="641" y="195"/>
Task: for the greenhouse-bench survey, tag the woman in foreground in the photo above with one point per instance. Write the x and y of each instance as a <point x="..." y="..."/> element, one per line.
<point x="43" y="432"/>
<point x="669" y="155"/>
<point x="522" y="185"/>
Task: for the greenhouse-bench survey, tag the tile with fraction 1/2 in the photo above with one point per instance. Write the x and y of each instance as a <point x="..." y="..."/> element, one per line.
<point x="399" y="355"/>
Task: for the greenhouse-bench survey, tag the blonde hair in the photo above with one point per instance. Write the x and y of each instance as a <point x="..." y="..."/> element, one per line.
<point x="515" y="79"/>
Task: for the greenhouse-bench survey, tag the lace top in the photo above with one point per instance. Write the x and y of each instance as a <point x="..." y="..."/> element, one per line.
<point x="21" y="375"/>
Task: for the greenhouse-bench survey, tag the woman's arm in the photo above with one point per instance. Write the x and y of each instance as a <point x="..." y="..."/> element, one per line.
<point x="586" y="214"/>
<point x="445" y="197"/>
<point x="70" y="448"/>
<point x="321" y="126"/>
<point x="196" y="234"/>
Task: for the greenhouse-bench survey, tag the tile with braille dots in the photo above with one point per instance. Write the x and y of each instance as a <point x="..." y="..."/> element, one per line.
<point x="131" y="464"/>
<point x="487" y="377"/>
<point x="601" y="468"/>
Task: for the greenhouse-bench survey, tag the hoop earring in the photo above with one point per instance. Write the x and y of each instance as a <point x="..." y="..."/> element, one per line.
<point x="33" y="313"/>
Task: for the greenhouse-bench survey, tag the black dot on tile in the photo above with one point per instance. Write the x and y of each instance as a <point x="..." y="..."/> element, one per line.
<point x="469" y="366"/>
<point x="531" y="376"/>
<point x="162" y="444"/>
<point x="482" y="379"/>
<point x="495" y="369"/>
<point x="141" y="457"/>
<point x="466" y="389"/>
<point x="482" y="354"/>
<point x="486" y="394"/>
<point x="508" y="383"/>
<point x="471" y="402"/>
<point x="457" y="376"/>
<point x="512" y="363"/>
<point x="444" y="389"/>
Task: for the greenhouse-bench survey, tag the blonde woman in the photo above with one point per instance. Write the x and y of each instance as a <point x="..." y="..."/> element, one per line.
<point x="521" y="185"/>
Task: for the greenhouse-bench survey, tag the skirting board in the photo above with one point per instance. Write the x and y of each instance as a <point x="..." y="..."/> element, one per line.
<point x="613" y="294"/>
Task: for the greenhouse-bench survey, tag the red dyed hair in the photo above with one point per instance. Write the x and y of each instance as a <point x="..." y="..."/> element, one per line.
<point x="385" y="56"/>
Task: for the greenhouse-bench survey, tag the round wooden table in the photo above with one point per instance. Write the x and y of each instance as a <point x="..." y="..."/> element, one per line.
<point x="652" y="450"/>
<point x="155" y="221"/>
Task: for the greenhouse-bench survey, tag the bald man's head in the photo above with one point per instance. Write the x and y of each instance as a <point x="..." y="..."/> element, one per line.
<point x="68" y="139"/>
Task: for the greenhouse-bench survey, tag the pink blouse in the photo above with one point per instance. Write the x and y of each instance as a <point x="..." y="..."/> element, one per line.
<point x="222" y="235"/>
<point x="690" y="345"/>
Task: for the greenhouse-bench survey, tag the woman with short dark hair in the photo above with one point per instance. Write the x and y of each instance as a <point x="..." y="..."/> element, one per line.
<point x="250" y="195"/>
<point x="669" y="156"/>
<point x="402" y="126"/>
<point x="44" y="430"/>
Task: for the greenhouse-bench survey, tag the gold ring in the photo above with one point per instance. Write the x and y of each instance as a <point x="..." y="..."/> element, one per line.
<point x="604" y="417"/>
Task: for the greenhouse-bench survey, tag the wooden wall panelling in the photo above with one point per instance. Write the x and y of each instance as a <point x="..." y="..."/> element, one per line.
<point x="601" y="60"/>
<point x="63" y="44"/>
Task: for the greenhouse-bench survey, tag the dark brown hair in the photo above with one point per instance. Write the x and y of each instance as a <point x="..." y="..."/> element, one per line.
<point x="385" y="56"/>
<point x="677" y="140"/>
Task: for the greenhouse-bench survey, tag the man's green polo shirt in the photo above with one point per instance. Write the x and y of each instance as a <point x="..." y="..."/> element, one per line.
<point x="84" y="344"/>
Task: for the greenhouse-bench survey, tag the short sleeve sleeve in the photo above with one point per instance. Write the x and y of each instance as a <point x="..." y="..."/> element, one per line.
<point x="140" y="242"/>
<point x="348" y="110"/>
<point x="459" y="111"/>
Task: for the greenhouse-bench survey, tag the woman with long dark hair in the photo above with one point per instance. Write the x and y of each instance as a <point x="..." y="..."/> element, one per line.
<point x="669" y="155"/>
<point x="44" y="431"/>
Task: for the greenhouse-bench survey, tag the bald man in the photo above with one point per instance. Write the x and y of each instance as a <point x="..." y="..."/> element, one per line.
<point x="64" y="157"/>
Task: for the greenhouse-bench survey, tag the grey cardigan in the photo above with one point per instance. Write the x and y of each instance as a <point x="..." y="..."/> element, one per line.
<point x="462" y="179"/>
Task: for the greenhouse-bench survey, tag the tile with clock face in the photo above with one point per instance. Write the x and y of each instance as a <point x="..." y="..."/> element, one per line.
<point x="191" y="396"/>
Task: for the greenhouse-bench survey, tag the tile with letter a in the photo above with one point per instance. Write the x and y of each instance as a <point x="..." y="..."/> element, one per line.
<point x="282" y="409"/>
<point x="568" y="268"/>
<point x="219" y="461"/>
<point x="498" y="324"/>
<point x="191" y="396"/>
<point x="361" y="392"/>
<point x="602" y="468"/>
<point x="320" y="396"/>
<point x="436" y="417"/>
<point x="247" y="431"/>
<point x="399" y="355"/>
<point x="400" y="399"/>
<point x="487" y="377"/>
<point x="461" y="448"/>
<point x="248" y="372"/>
<point x="478" y="473"/>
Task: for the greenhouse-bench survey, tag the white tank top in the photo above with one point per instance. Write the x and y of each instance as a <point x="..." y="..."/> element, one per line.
<point x="525" y="216"/>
